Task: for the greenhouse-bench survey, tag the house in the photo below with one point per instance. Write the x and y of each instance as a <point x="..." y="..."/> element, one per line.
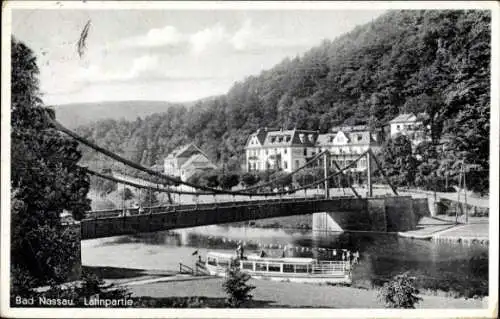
<point x="185" y="160"/>
<point x="347" y="143"/>
<point x="288" y="150"/>
<point x="410" y="125"/>
<point x="279" y="149"/>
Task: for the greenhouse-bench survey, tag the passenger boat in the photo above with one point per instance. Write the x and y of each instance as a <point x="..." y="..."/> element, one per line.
<point x="294" y="269"/>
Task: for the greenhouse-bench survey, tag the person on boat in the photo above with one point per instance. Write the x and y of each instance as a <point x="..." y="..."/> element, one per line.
<point x="240" y="251"/>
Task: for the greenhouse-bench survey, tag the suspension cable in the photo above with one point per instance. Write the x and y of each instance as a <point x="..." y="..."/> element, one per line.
<point x="125" y="161"/>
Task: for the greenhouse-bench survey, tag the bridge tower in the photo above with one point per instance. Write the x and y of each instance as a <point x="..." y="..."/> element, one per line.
<point x="369" y="175"/>
<point x="326" y="168"/>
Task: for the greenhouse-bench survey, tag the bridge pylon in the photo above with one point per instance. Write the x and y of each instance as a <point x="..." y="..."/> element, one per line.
<point x="326" y="168"/>
<point x="369" y="175"/>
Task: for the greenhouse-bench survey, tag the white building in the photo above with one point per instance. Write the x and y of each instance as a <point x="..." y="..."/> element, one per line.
<point x="347" y="143"/>
<point x="287" y="150"/>
<point x="410" y="125"/>
<point x="184" y="161"/>
<point x="280" y="149"/>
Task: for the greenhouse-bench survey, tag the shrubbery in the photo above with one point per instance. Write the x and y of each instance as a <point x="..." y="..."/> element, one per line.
<point x="400" y="292"/>
<point x="237" y="288"/>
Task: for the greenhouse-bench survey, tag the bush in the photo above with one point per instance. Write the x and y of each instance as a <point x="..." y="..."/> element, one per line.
<point x="249" y="179"/>
<point x="400" y="292"/>
<point x="237" y="288"/>
<point x="228" y="180"/>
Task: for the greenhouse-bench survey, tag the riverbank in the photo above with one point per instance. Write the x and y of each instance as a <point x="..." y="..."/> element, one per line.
<point x="444" y="229"/>
<point x="271" y="294"/>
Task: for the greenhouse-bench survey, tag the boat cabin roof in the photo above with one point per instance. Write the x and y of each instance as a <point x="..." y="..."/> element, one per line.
<point x="295" y="260"/>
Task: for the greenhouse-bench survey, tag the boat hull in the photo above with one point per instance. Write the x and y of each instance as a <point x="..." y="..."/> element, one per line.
<point x="339" y="278"/>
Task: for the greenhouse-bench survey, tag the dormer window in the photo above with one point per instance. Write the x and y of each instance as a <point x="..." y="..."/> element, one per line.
<point x="359" y="137"/>
<point x="311" y="138"/>
<point x="301" y="137"/>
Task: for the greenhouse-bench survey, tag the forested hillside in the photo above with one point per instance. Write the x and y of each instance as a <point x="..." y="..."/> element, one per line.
<point x="433" y="61"/>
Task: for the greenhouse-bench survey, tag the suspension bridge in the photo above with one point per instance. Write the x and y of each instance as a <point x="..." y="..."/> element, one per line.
<point x="264" y="200"/>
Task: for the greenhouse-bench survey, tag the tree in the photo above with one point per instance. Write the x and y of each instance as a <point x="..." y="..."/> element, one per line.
<point x="126" y="194"/>
<point x="400" y="292"/>
<point x="308" y="175"/>
<point x="228" y="180"/>
<point x="282" y="179"/>
<point x="237" y="288"/>
<point x="249" y="179"/>
<point x="149" y="199"/>
<point x="45" y="180"/>
<point x="398" y="161"/>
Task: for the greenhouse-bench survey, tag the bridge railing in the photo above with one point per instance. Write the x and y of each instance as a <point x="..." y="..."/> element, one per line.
<point x="200" y="206"/>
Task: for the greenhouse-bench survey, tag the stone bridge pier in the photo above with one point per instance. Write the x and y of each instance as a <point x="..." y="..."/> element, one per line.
<point x="381" y="214"/>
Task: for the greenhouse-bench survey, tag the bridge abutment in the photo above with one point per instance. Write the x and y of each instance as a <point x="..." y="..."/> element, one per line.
<point x="76" y="268"/>
<point x="382" y="214"/>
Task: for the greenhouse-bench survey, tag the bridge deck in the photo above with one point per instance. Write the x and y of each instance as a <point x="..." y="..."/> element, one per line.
<point x="113" y="222"/>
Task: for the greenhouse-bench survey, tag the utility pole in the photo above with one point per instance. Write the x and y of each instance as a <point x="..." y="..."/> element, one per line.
<point x="369" y="175"/>
<point x="460" y="178"/>
<point x="465" y="195"/>
<point x="326" y="164"/>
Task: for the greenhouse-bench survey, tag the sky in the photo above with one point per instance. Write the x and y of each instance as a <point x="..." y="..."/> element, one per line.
<point x="168" y="55"/>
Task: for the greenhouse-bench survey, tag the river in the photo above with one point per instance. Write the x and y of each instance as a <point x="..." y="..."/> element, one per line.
<point x="459" y="268"/>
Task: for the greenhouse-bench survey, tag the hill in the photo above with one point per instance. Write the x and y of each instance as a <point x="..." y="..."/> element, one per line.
<point x="76" y="114"/>
<point x="434" y="61"/>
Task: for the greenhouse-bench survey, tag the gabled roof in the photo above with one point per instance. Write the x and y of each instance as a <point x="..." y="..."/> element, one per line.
<point x="185" y="151"/>
<point x="404" y="118"/>
<point x="291" y="138"/>
<point x="354" y="138"/>
<point x="198" y="161"/>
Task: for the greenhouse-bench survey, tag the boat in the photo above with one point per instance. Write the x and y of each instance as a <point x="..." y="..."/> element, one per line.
<point x="293" y="269"/>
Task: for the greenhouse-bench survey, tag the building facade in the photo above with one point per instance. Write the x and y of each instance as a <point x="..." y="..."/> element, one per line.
<point x="346" y="143"/>
<point x="410" y="125"/>
<point x="279" y="149"/>
<point x="288" y="150"/>
<point x="186" y="160"/>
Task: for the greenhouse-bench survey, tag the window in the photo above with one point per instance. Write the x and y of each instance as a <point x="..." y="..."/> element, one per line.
<point x="248" y="265"/>
<point x="360" y="137"/>
<point x="223" y="263"/>
<point x="285" y="151"/>
<point x="267" y="152"/>
<point x="397" y="126"/>
<point x="211" y="261"/>
<point x="260" y="267"/>
<point x="274" y="267"/>
<point x="285" y="165"/>
<point x="288" y="268"/>
<point x="296" y="163"/>
<point x="305" y="151"/>
<point x="301" y="268"/>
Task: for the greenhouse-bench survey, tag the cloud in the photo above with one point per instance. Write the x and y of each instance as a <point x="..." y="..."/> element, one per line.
<point x="157" y="37"/>
<point x="216" y="38"/>
<point x="208" y="37"/>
